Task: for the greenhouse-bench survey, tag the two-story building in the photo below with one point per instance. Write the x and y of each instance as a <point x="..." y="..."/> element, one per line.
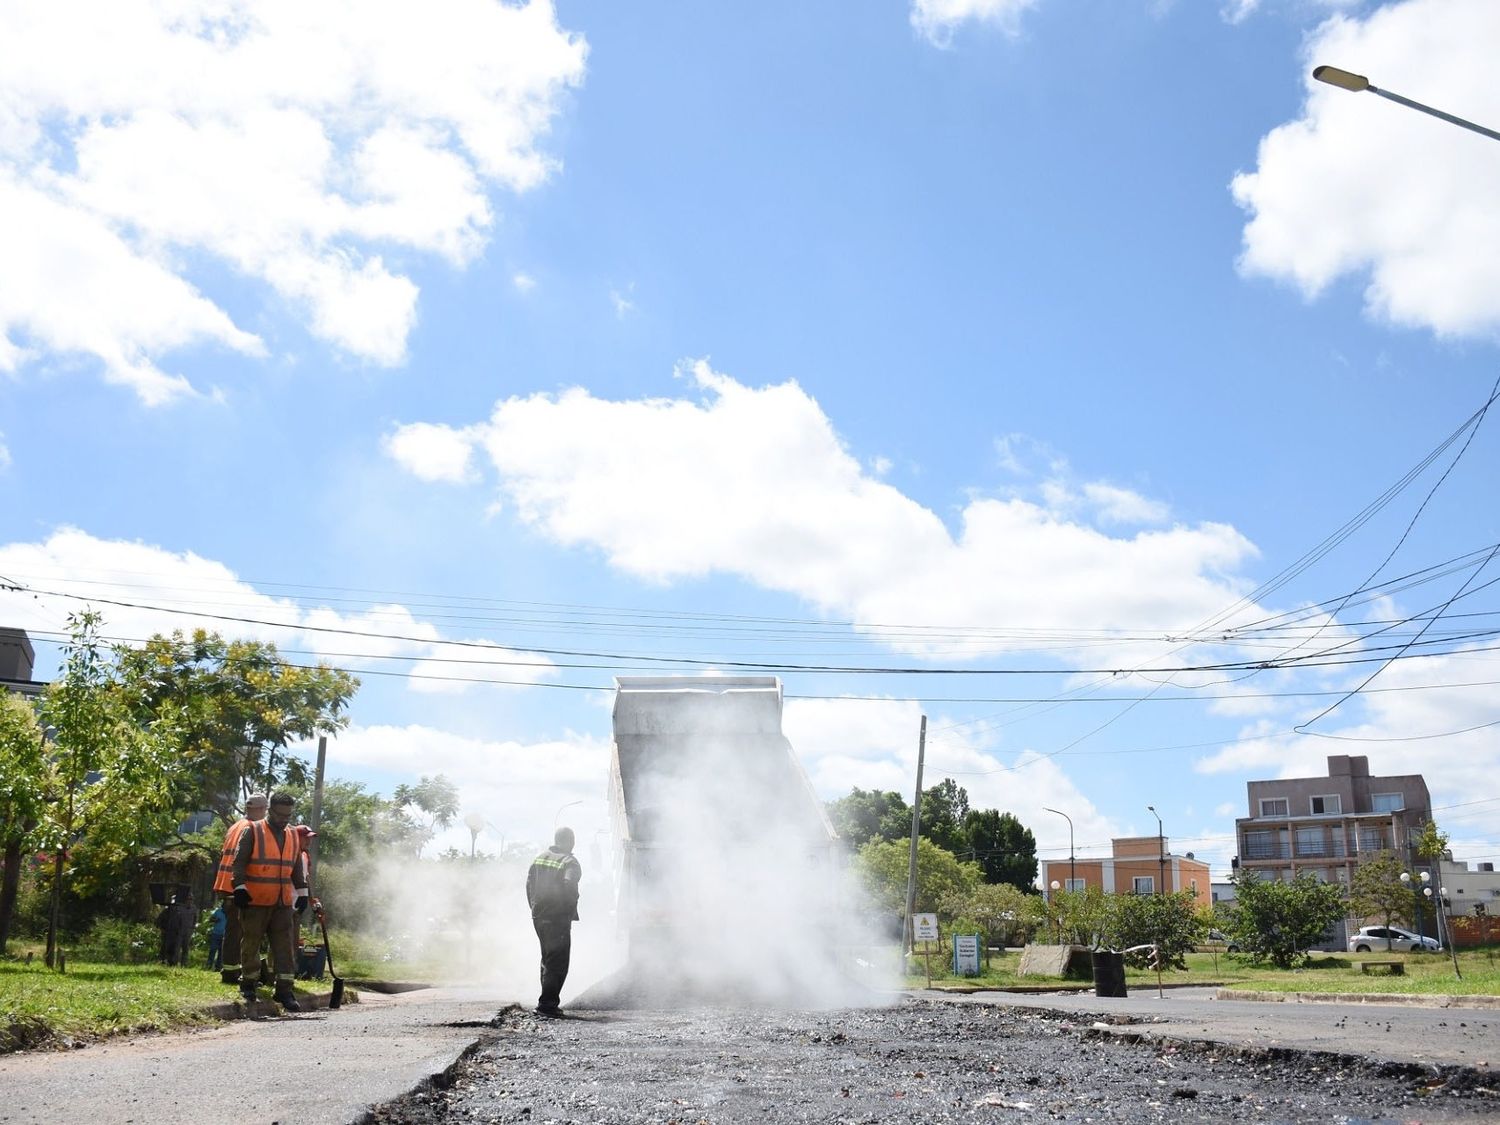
<point x="1139" y="865"/>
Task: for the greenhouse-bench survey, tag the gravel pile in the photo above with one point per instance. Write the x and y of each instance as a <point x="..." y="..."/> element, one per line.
<point x="921" y="1060"/>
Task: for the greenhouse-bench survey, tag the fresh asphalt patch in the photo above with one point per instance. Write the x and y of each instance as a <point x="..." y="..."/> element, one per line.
<point x="918" y="1059"/>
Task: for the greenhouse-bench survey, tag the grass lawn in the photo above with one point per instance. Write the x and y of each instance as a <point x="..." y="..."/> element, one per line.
<point x="1425" y="973"/>
<point x="39" y="1007"/>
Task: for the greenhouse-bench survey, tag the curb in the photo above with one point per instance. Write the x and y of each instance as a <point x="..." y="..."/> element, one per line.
<point x="1402" y="999"/>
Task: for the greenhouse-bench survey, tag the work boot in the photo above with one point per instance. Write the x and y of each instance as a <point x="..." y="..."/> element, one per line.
<point x="229" y="976"/>
<point x="247" y="994"/>
<point x="287" y="999"/>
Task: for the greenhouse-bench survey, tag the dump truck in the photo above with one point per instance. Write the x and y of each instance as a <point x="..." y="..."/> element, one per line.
<point x="717" y="827"/>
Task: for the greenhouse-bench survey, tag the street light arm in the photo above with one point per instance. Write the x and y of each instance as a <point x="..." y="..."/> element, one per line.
<point x="1358" y="83"/>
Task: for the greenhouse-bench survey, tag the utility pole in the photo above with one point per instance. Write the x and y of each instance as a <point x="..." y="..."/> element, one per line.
<point x="317" y="813"/>
<point x="916" y="829"/>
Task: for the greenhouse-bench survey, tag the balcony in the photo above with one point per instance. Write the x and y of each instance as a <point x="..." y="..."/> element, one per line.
<point x="1258" y="850"/>
<point x="1321" y="849"/>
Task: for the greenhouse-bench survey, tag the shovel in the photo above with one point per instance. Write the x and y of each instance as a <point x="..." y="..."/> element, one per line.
<point x="337" y="998"/>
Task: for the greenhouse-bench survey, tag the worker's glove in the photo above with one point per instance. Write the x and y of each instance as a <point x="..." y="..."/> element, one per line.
<point x="242" y="895"/>
<point x="299" y="904"/>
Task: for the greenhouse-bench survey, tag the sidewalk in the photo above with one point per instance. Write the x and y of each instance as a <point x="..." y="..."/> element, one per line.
<point x="314" y="1068"/>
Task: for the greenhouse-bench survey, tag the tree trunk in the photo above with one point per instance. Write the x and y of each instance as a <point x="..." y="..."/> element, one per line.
<point x="10" y="884"/>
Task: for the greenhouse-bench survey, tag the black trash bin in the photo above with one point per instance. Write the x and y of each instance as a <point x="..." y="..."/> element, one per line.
<point x="1109" y="973"/>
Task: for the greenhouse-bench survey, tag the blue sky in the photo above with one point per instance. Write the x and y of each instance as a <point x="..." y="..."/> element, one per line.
<point x="1040" y="346"/>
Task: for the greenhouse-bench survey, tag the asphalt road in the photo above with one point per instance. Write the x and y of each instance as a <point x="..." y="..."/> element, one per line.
<point x="923" y="1058"/>
<point x="927" y="1059"/>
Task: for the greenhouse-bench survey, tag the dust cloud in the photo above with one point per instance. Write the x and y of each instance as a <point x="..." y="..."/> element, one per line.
<point x="723" y="885"/>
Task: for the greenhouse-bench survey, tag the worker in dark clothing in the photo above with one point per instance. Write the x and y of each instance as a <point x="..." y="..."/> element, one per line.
<point x="180" y="930"/>
<point x="269" y="885"/>
<point x="552" y="892"/>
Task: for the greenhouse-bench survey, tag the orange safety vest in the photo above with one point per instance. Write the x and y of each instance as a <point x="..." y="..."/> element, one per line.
<point x="224" y="876"/>
<point x="268" y="875"/>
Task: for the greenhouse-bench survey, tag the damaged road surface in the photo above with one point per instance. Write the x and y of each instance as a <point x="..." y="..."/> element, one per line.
<point x="920" y="1060"/>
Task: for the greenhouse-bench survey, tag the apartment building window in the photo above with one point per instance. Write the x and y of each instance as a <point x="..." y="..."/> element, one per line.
<point x="1144" y="885"/>
<point x="1371" y="840"/>
<point x="1077" y="884"/>
<point x="1328" y="805"/>
<point x="1273" y="806"/>
<point x="1387" y="802"/>
<point x="1310" y="842"/>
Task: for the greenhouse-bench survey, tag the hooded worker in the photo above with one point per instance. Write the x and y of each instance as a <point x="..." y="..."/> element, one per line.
<point x="269" y="884"/>
<point x="552" y="892"/>
<point x="255" y="809"/>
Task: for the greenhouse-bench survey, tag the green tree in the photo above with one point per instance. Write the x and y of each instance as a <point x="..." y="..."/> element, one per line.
<point x="1376" y="891"/>
<point x="112" y="776"/>
<point x="872" y="814"/>
<point x="436" y="797"/>
<point x="1169" y="921"/>
<point x="239" y="705"/>
<point x="998" y="908"/>
<point x="355" y="823"/>
<point x="1279" y="921"/>
<point x="1002" y="846"/>
<point x="25" y="780"/>
<point x="1080" y="917"/>
<point x="944" y="808"/>
<point x="882" y="865"/>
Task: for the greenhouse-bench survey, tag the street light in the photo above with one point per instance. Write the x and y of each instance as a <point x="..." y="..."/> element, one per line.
<point x="558" y="815"/>
<point x="475" y="823"/>
<point x="1072" y="865"/>
<point x="1161" y="852"/>
<point x="1358" y="83"/>
<point x="1424" y="877"/>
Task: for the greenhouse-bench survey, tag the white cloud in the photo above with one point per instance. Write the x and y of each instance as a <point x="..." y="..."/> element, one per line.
<point x="432" y="452"/>
<point x="297" y="145"/>
<point x="936" y="20"/>
<point x="523" y="282"/>
<point x="756" y="483"/>
<point x="4" y="454"/>
<point x="621" y="301"/>
<point x="100" y="571"/>
<point x="1359" y="187"/>
<point x="519" y="788"/>
<point x="1122" y="506"/>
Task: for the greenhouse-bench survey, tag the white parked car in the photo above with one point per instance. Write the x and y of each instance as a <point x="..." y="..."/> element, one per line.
<point x="1378" y="939"/>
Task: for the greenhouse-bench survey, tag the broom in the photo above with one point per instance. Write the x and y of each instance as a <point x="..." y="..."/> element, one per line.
<point x="337" y="998"/>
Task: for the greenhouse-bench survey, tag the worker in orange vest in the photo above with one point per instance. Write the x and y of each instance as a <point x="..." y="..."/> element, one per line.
<point x="255" y="809"/>
<point x="269" y="886"/>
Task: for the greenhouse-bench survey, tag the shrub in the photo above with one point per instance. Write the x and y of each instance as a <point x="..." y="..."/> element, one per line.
<point x="121" y="943"/>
